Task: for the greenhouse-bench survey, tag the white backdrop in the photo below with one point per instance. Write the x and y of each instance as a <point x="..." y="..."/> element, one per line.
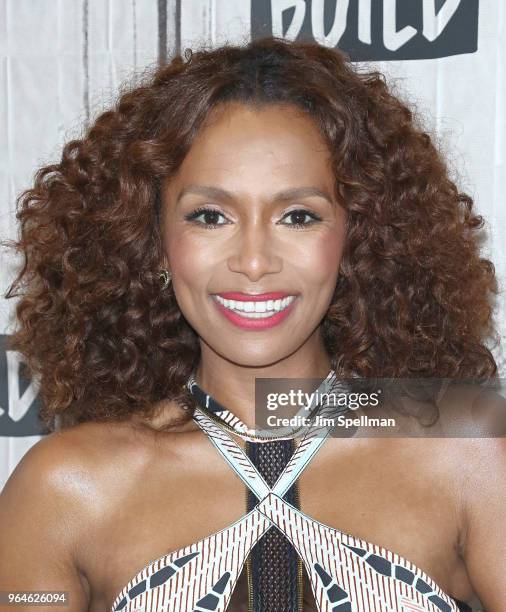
<point x="62" y="61"/>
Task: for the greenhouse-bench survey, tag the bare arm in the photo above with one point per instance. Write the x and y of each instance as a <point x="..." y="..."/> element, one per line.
<point x="39" y="528"/>
<point x="485" y="541"/>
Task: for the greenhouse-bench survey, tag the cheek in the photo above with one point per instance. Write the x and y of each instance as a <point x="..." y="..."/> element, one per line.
<point x="188" y="259"/>
<point x="322" y="260"/>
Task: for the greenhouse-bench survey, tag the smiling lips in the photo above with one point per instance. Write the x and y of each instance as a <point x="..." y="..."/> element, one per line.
<point x="260" y="311"/>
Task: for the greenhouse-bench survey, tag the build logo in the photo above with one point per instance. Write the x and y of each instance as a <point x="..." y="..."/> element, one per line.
<point x="19" y="402"/>
<point x="373" y="29"/>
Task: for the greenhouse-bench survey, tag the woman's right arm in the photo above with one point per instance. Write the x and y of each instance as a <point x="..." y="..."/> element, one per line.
<point x="40" y="527"/>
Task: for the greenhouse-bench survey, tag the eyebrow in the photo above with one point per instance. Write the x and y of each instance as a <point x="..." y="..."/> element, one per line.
<point x="280" y="196"/>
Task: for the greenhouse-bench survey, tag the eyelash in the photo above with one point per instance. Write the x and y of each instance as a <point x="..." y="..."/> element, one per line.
<point x="192" y="216"/>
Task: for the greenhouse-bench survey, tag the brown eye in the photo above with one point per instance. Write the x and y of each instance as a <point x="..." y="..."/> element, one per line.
<point x="298" y="218"/>
<point x="210" y="217"/>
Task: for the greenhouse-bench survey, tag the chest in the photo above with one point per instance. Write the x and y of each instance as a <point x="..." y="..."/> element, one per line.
<point x="394" y="499"/>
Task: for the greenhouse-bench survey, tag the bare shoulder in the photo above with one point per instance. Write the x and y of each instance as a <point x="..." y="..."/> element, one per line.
<point x="67" y="474"/>
<point x="59" y="492"/>
<point x="56" y="471"/>
<point x="91" y="457"/>
<point x="475" y="418"/>
<point x="474" y="432"/>
<point x="484" y="502"/>
<point x="466" y="450"/>
<point x="481" y="471"/>
<point x="473" y="410"/>
<point x="46" y="509"/>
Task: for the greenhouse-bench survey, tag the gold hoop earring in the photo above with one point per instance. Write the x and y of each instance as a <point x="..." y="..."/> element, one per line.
<point x="165" y="277"/>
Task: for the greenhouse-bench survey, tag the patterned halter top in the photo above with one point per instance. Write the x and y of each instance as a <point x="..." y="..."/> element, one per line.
<point x="344" y="573"/>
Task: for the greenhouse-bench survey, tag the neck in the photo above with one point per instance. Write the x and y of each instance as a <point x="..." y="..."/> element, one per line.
<point x="233" y="385"/>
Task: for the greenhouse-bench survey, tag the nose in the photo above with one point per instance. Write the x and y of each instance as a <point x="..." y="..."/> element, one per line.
<point x="254" y="252"/>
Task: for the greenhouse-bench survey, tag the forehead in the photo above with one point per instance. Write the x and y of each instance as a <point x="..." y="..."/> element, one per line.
<point x="275" y="143"/>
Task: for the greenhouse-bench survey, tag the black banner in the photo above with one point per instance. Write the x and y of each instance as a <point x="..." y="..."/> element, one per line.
<point x="19" y="402"/>
<point x="373" y="29"/>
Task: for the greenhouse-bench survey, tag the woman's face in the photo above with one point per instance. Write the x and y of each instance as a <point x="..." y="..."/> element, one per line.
<point x="252" y="211"/>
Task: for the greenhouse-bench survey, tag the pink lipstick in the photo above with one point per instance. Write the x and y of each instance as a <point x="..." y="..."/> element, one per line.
<point x="253" y="297"/>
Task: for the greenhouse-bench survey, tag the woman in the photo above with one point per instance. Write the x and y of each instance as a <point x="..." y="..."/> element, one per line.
<point x="249" y="212"/>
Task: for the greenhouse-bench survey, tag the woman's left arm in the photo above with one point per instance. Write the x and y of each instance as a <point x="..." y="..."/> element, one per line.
<point x="485" y="512"/>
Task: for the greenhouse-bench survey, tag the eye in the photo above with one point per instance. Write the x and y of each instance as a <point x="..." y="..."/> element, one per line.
<point x="209" y="214"/>
<point x="299" y="215"/>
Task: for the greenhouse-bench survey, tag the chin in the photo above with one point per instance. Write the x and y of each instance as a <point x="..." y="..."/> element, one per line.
<point x="263" y="360"/>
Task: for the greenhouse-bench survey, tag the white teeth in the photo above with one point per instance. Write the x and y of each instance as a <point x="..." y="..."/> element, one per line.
<point x="256" y="310"/>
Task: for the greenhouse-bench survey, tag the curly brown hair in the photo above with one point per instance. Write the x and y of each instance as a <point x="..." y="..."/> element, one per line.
<point x="413" y="297"/>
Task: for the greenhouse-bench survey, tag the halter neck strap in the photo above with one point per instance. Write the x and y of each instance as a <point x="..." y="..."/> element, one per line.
<point x="244" y="468"/>
<point x="232" y="421"/>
